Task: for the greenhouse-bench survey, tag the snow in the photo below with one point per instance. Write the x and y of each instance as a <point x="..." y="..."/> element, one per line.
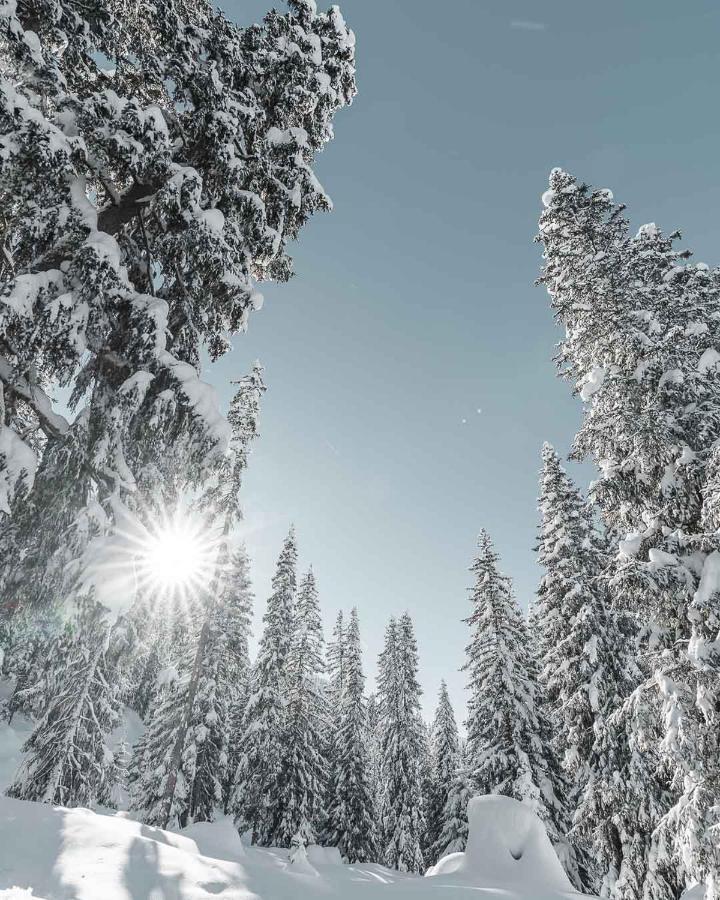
<point x="19" y="464"/>
<point x="697" y="892"/>
<point x="213" y="219"/>
<point x="592" y="383"/>
<point x="508" y="849"/>
<point x="84" y="855"/>
<point x="11" y="740"/>
<point x="202" y="397"/>
<point x="710" y="580"/>
<point x="709" y="360"/>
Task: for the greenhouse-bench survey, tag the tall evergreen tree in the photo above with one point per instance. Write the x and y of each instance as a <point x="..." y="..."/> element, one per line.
<point x="374" y="731"/>
<point x="352" y="824"/>
<point x="454" y="832"/>
<point x="402" y="742"/>
<point x="256" y="802"/>
<point x="586" y="665"/>
<point x="303" y="769"/>
<point x="334" y="690"/>
<point x="642" y="327"/>
<point x="145" y="195"/>
<point x="67" y="759"/>
<point x="237" y="610"/>
<point x="194" y="745"/>
<point x="509" y="748"/>
<point x="178" y="175"/>
<point x="445" y="763"/>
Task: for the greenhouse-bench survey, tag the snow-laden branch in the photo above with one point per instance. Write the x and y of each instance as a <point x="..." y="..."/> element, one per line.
<point x="52" y="423"/>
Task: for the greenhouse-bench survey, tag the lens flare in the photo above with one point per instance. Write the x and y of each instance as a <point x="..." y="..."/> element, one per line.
<point x="177" y="558"/>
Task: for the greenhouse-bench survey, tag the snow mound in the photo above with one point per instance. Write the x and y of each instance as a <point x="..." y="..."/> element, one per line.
<point x="51" y="853"/>
<point x="507" y="847"/>
<point x="324" y="856"/>
<point x="219" y="839"/>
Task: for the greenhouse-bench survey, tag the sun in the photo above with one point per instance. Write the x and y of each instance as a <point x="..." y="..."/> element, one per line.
<point x="177" y="557"/>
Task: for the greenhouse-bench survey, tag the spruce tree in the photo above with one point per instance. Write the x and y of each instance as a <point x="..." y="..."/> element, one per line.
<point x="351" y="817"/>
<point x="67" y="758"/>
<point x="256" y="802"/>
<point x="509" y="748"/>
<point x="454" y="831"/>
<point x="374" y="730"/>
<point x="642" y="326"/>
<point x="402" y="740"/>
<point x="303" y="769"/>
<point x="586" y="665"/>
<point x="194" y="745"/>
<point x="236" y="610"/>
<point x="158" y="167"/>
<point x="152" y="764"/>
<point x="444" y="766"/>
<point x="334" y="691"/>
<point x="146" y="195"/>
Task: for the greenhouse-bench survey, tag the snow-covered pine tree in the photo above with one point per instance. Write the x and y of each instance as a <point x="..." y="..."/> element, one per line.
<point x="237" y="612"/>
<point x="642" y="332"/>
<point x="351" y="814"/>
<point x="151" y="760"/>
<point x="200" y="737"/>
<point x="302" y="777"/>
<point x="158" y="167"/>
<point x="426" y="781"/>
<point x="444" y="766"/>
<point x="256" y="802"/>
<point x="401" y="814"/>
<point x="587" y="665"/>
<point x="334" y="691"/>
<point x="509" y="748"/>
<point x="454" y="831"/>
<point x="67" y="758"/>
<point x="374" y="754"/>
<point x="148" y="621"/>
<point x="627" y="793"/>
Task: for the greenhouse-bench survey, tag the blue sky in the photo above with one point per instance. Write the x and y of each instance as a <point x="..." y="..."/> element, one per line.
<point x="414" y="305"/>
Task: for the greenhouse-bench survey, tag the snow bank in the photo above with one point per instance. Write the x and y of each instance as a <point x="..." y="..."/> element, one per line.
<point x="74" y="854"/>
<point x="507" y="848"/>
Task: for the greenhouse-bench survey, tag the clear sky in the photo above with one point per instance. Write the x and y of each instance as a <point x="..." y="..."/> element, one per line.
<point x="409" y="372"/>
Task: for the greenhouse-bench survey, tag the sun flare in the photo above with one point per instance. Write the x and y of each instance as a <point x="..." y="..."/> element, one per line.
<point x="178" y="558"/>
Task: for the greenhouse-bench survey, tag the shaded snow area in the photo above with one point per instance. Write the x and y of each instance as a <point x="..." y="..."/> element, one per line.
<point x="57" y="854"/>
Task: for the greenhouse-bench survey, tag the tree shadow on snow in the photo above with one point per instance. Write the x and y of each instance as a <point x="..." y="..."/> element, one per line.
<point x="141" y="875"/>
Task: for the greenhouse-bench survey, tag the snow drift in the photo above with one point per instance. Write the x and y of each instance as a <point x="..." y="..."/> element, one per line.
<point x="507" y="847"/>
<point x="51" y="853"/>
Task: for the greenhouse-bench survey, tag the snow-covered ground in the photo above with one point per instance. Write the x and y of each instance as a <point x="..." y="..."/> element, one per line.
<point x="51" y="853"/>
<point x="58" y="854"/>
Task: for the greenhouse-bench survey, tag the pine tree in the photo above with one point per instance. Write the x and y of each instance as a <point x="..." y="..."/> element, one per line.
<point x="586" y="664"/>
<point x="401" y="813"/>
<point x="237" y="610"/>
<point x="352" y="808"/>
<point x="67" y="758"/>
<point x="178" y="175"/>
<point x="145" y="195"/>
<point x="303" y="770"/>
<point x="454" y="832"/>
<point x="200" y="737"/>
<point x="374" y="729"/>
<point x="445" y="762"/>
<point x="642" y="326"/>
<point x="152" y="764"/>
<point x="508" y="735"/>
<point x="334" y="691"/>
<point x="256" y="801"/>
<point x="151" y="626"/>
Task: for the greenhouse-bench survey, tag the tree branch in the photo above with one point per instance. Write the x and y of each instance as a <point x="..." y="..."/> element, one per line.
<point x="52" y="423"/>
